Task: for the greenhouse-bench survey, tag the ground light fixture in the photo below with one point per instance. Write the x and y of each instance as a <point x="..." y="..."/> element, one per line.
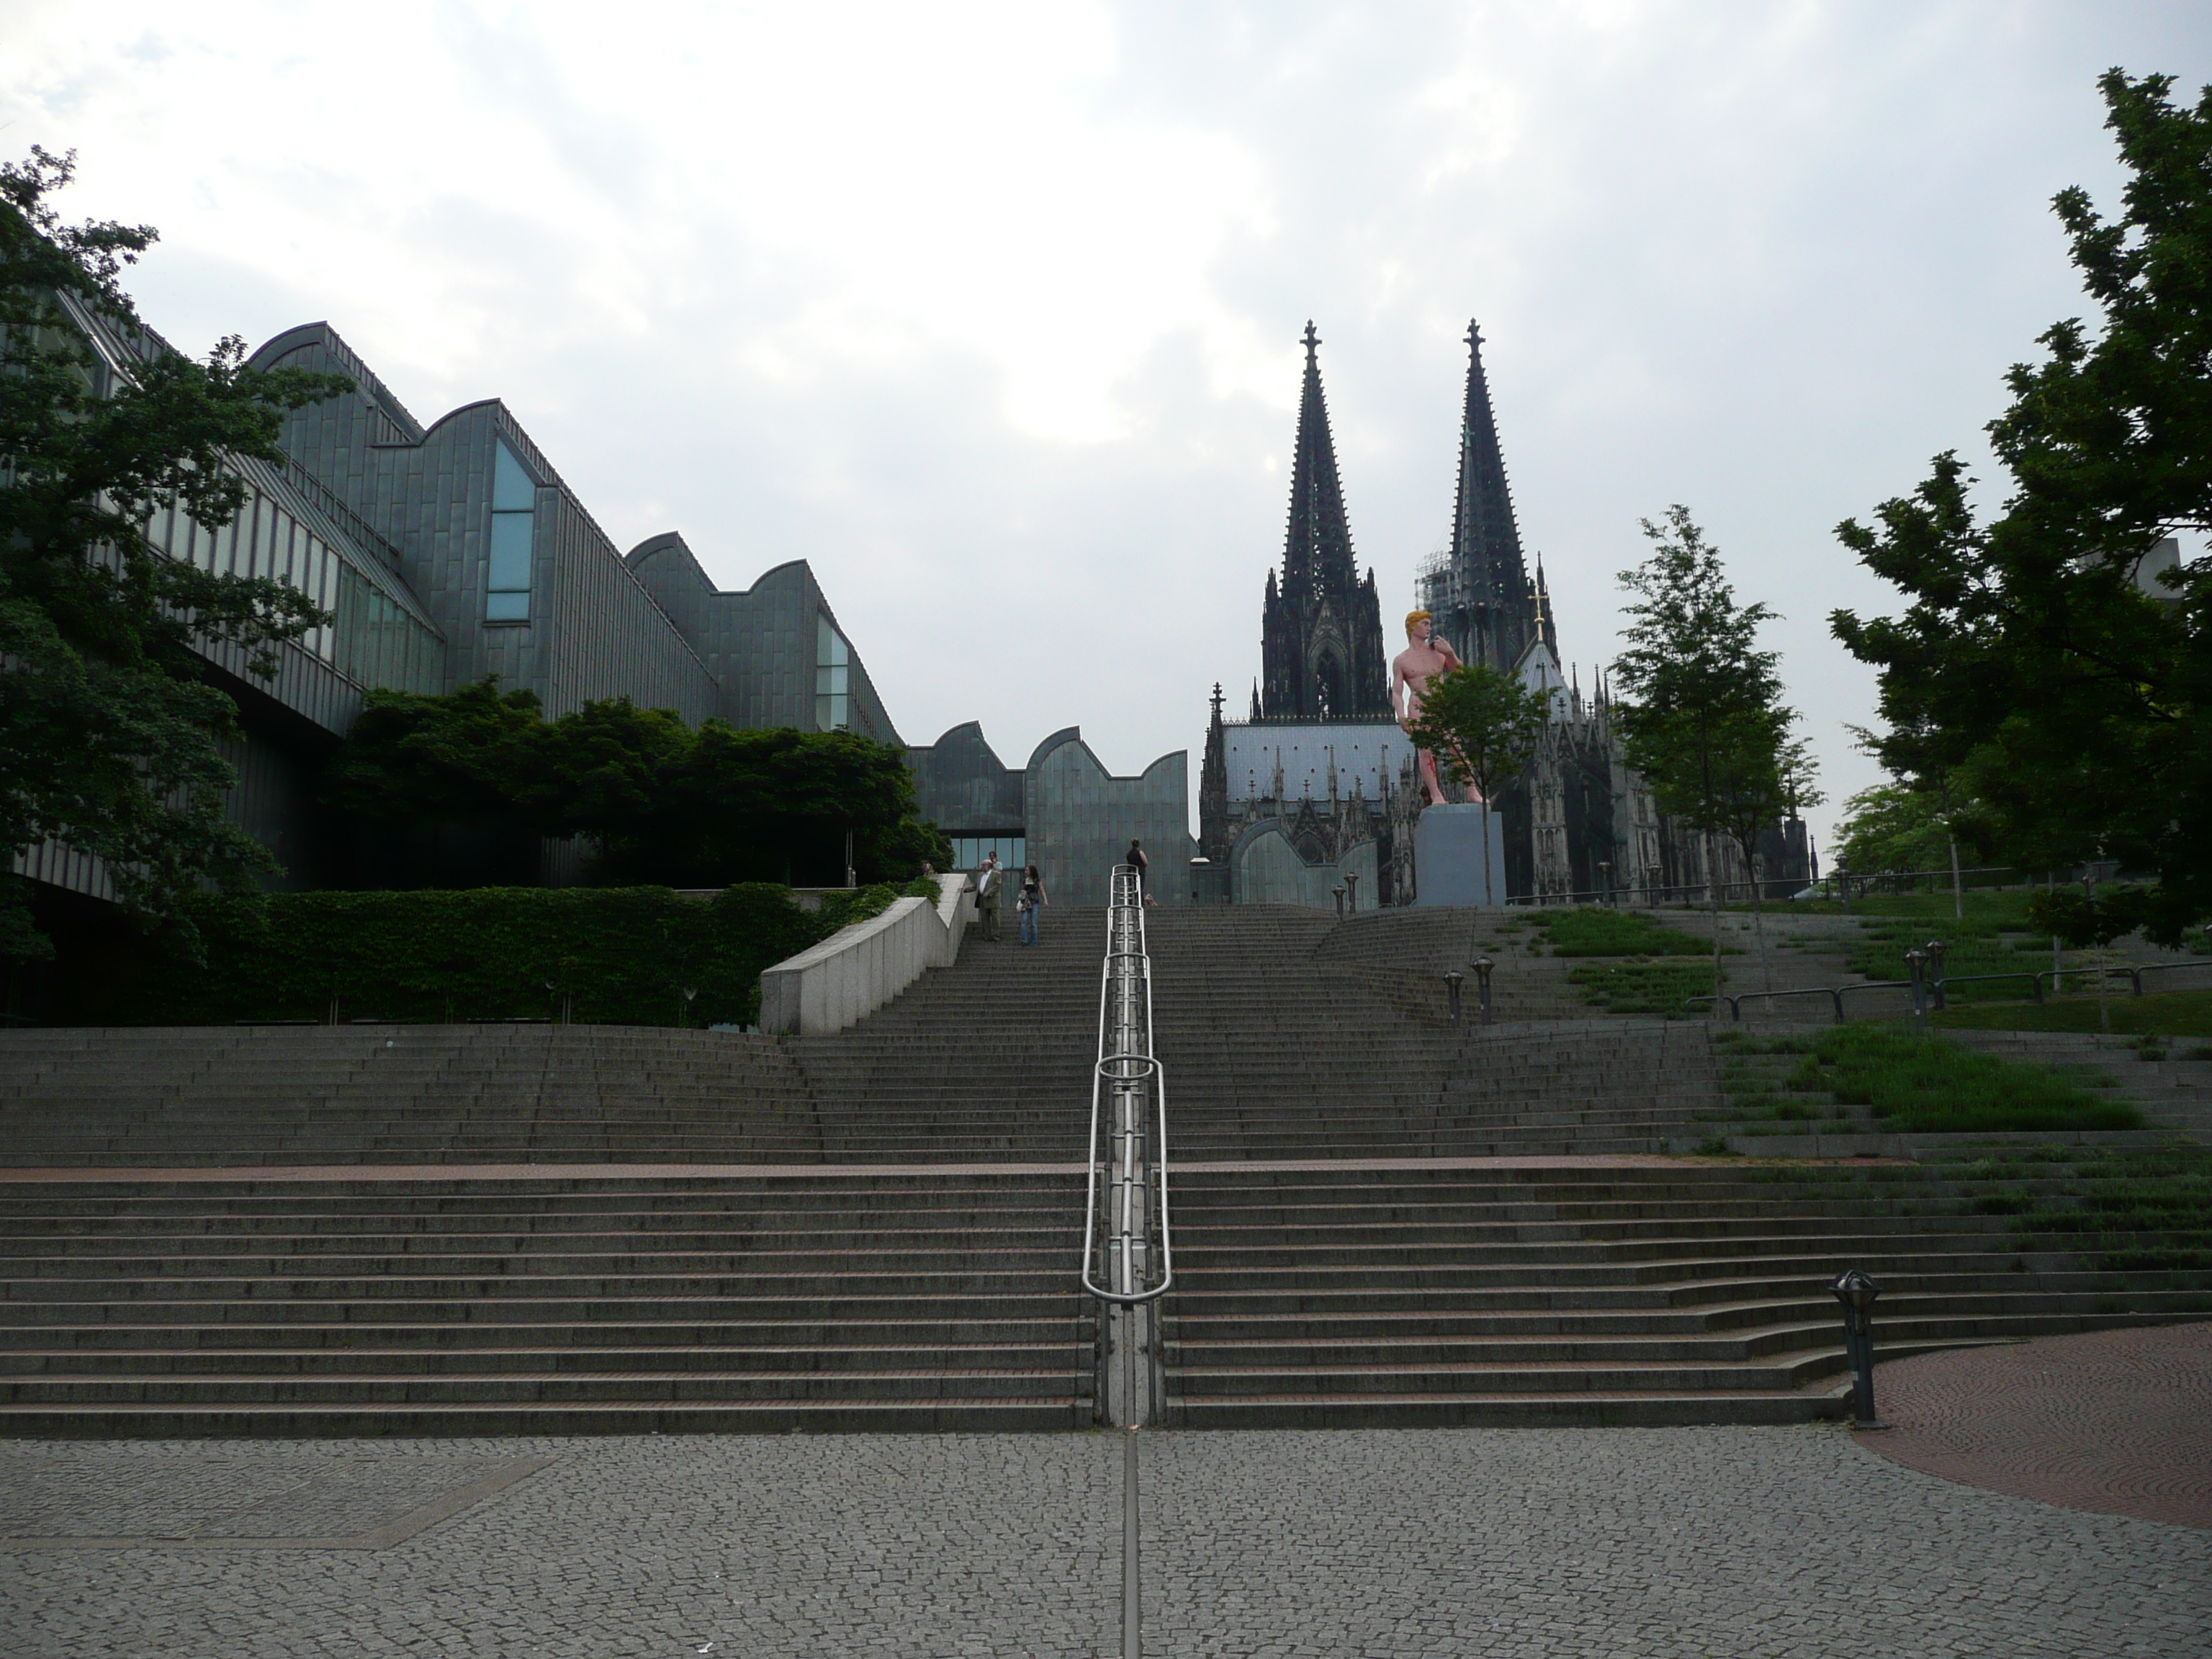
<point x="1916" y="963"/>
<point x="1482" y="966"/>
<point x="1858" y="1291"/>
<point x="1452" y="982"/>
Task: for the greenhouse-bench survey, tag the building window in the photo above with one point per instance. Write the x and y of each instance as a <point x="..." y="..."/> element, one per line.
<point x="833" y="703"/>
<point x="968" y="851"/>
<point x="513" y="512"/>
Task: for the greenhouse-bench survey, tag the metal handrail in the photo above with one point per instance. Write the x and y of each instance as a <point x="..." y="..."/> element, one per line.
<point x="2133" y="972"/>
<point x="1128" y="1252"/>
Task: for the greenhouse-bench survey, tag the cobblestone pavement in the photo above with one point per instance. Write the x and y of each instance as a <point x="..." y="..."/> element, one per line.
<point x="1508" y="1543"/>
<point x="2117" y="1421"/>
<point x="1735" y="1542"/>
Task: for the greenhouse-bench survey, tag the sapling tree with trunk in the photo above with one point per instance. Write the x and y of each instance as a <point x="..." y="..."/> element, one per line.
<point x="1698" y="704"/>
<point x="1483" y="726"/>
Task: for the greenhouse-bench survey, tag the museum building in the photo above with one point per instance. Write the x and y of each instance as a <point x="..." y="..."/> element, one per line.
<point x="448" y="552"/>
<point x="445" y="553"/>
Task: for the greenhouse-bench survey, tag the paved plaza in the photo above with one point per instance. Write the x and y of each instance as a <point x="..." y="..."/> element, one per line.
<point x="1751" y="1541"/>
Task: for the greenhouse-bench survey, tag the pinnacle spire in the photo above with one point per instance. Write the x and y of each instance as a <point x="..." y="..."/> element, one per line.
<point x="1317" y="552"/>
<point x="1487" y="595"/>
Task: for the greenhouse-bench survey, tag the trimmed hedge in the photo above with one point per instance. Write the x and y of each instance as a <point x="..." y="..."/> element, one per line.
<point x="619" y="956"/>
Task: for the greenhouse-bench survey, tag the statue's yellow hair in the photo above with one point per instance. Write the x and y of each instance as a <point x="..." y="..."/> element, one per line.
<point x="1412" y="616"/>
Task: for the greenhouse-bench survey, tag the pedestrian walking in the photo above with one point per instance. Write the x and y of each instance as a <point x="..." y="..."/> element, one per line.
<point x="1144" y="869"/>
<point x="1033" y="899"/>
<point x="987" y="895"/>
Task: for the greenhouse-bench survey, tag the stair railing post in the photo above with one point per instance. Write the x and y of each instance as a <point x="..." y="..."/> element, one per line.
<point x="1917" y="961"/>
<point x="1936" y="948"/>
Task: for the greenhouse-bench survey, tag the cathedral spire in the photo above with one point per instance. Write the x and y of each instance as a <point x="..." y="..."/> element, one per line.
<point x="1320" y="632"/>
<point x="1488" y="586"/>
<point x="1317" y="552"/>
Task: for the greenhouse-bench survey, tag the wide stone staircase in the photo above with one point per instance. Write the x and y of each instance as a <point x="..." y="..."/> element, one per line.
<point x="400" y="1094"/>
<point x="908" y="1300"/>
<point x="1380" y="1217"/>
<point x="1409" y="1295"/>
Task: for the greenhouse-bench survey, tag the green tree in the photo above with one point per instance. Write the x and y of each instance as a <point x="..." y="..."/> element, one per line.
<point x="457" y="789"/>
<point x="2036" y="661"/>
<point x="446" y="791"/>
<point x="1702" y="718"/>
<point x="1892" y="826"/>
<point x="1762" y="777"/>
<point x="1483" y="726"/>
<point x="110" y="736"/>
<point x="777" y="804"/>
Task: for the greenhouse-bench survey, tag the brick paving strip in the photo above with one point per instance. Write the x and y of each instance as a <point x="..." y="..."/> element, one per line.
<point x="2114" y="1422"/>
<point x="749" y="1171"/>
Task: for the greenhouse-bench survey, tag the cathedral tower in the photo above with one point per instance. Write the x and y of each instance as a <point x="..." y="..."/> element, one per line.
<point x="1478" y="590"/>
<point x="1321" y="626"/>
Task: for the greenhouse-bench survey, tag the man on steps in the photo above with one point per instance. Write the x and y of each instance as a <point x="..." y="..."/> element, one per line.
<point x="987" y="897"/>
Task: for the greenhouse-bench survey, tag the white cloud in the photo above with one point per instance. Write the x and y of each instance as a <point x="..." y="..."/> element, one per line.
<point x="991" y="311"/>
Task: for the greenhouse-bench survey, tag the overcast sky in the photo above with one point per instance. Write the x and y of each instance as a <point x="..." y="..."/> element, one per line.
<point x="992" y="312"/>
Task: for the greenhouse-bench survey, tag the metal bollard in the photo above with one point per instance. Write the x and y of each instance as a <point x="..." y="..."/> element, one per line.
<point x="1916" y="963"/>
<point x="1856" y="1292"/>
<point x="1451" y="986"/>
<point x="1935" y="950"/>
<point x="1482" y="966"/>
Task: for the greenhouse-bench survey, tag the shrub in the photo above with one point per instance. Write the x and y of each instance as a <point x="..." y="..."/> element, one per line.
<point x="616" y="956"/>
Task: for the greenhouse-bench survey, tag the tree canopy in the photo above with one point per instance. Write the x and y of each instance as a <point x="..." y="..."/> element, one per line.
<point x="111" y="734"/>
<point x="1701" y="715"/>
<point x="1483" y="724"/>
<point x="2039" y="660"/>
<point x="478" y="775"/>
<point x="1893" y="826"/>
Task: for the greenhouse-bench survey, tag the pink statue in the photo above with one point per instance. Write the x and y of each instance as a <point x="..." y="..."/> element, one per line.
<point x="1421" y="661"/>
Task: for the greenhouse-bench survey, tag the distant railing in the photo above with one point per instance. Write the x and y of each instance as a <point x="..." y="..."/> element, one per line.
<point x="1775" y="889"/>
<point x="1938" y="990"/>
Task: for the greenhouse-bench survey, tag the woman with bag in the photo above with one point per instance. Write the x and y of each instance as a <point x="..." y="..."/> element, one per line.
<point x="1032" y="900"/>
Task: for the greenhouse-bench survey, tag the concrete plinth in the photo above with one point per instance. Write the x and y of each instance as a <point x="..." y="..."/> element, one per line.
<point x="1448" y="861"/>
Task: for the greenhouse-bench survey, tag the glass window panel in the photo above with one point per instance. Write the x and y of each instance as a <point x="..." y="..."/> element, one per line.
<point x="265" y="536"/>
<point x="510" y="552"/>
<point x="158" y="527"/>
<point x="507" y="607"/>
<point x="512" y="491"/>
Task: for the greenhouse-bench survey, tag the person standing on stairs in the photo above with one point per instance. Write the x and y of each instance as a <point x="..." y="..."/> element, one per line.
<point x="1032" y="900"/>
<point x="1136" y="856"/>
<point x="987" y="897"/>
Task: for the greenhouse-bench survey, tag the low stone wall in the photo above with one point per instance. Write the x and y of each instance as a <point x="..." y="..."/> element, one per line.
<point x="857" y="970"/>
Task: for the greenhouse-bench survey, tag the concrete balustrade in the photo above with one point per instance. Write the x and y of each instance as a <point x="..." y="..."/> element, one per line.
<point x="857" y="970"/>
